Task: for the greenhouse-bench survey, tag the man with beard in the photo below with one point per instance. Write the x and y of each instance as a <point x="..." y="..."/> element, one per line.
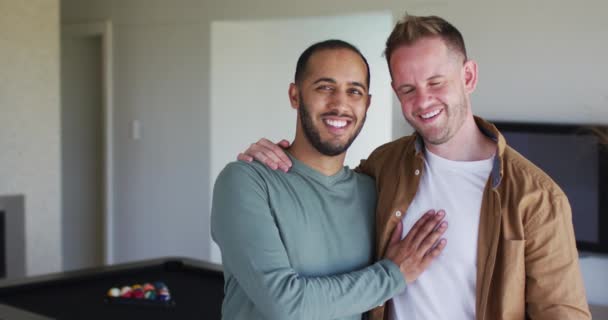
<point x="299" y="245"/>
<point x="512" y="252"/>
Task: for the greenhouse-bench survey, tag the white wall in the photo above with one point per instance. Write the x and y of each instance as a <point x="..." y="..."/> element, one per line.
<point x="539" y="60"/>
<point x="29" y="123"/>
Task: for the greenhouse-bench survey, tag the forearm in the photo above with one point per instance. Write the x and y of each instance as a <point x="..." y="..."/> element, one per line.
<point x="284" y="294"/>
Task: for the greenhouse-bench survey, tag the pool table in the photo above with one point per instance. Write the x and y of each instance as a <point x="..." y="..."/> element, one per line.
<point x="196" y="287"/>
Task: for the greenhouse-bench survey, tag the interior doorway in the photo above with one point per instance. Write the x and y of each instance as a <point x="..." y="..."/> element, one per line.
<point x="86" y="144"/>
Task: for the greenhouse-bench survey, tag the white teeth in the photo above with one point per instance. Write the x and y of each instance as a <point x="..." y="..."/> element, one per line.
<point x="336" y="123"/>
<point x="430" y="114"/>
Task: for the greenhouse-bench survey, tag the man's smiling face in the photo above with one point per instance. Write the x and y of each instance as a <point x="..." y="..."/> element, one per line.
<point x="433" y="87"/>
<point x="332" y="99"/>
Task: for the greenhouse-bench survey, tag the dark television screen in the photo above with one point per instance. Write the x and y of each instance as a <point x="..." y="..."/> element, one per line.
<point x="576" y="157"/>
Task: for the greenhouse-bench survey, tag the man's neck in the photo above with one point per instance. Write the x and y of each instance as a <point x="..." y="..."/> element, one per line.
<point x="302" y="150"/>
<point x="468" y="144"/>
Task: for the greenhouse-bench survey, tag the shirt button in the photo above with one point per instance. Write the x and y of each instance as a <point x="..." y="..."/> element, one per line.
<point x="417" y="172"/>
<point x="398" y="214"/>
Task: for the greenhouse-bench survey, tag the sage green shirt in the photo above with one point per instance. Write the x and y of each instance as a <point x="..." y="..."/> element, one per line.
<point x="298" y="245"/>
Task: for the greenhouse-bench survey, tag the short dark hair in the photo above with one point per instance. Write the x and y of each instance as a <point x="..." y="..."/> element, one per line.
<point x="413" y="28"/>
<point x="331" y="44"/>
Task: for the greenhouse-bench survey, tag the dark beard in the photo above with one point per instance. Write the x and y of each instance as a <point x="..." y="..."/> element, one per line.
<point x="312" y="134"/>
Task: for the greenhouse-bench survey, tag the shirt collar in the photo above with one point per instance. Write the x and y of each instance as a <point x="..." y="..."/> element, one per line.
<point x="491" y="132"/>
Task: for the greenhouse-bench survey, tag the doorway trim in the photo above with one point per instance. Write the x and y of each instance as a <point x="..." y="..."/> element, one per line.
<point x="104" y="30"/>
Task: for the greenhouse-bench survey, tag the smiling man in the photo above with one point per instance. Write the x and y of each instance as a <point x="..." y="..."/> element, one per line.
<point x="299" y="245"/>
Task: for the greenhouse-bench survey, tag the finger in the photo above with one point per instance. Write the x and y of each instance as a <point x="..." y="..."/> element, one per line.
<point x="271" y="164"/>
<point x="431" y="240"/>
<point x="244" y="157"/>
<point x="433" y="253"/>
<point x="275" y="153"/>
<point x="261" y="152"/>
<point x="427" y="228"/>
<point x="396" y="236"/>
<point x="411" y="234"/>
<point x="284" y="144"/>
<point x="271" y="146"/>
<point x="261" y="157"/>
<point x="261" y="146"/>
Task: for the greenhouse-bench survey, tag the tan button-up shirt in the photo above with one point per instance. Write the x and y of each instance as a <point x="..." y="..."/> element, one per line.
<point x="527" y="262"/>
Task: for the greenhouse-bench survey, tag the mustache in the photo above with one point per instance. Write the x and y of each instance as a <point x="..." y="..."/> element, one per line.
<point x="337" y="114"/>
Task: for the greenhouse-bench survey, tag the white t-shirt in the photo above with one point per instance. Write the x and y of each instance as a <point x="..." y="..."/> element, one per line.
<point x="446" y="289"/>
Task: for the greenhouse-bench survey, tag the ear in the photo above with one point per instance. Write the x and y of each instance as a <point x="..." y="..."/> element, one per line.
<point x="294" y="95"/>
<point x="470" y="75"/>
<point x="369" y="102"/>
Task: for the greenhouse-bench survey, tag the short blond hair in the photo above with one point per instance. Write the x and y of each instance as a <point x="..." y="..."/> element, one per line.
<point x="413" y="28"/>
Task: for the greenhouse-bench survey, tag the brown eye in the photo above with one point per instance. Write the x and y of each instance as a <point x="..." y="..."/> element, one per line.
<point x="355" y="92"/>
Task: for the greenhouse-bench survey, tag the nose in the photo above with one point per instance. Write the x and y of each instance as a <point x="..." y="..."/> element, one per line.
<point x="338" y="100"/>
<point x="421" y="98"/>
